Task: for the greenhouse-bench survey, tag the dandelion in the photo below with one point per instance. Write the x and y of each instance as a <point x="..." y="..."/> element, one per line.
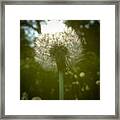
<point x="58" y="52"/>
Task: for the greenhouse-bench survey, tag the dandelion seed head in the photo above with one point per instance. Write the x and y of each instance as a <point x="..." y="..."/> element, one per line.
<point x="44" y="42"/>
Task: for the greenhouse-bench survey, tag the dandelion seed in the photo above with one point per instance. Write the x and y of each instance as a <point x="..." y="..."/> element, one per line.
<point x="75" y="76"/>
<point x="76" y="98"/>
<point x="27" y="66"/>
<point x="66" y="73"/>
<point x="52" y="91"/>
<point x="36" y="98"/>
<point x="69" y="72"/>
<point x="66" y="89"/>
<point x="82" y="74"/>
<point x="82" y="89"/>
<point x="24" y="96"/>
<point x="37" y="82"/>
<point x="77" y="83"/>
<point x="32" y="45"/>
<point x="98" y="73"/>
<point x="73" y="83"/>
<point x="87" y="26"/>
<point x="87" y="87"/>
<point x="84" y="41"/>
<point x="81" y="26"/>
<point x="92" y="22"/>
<point x="82" y="33"/>
<point x="97" y="82"/>
<point x="27" y="58"/>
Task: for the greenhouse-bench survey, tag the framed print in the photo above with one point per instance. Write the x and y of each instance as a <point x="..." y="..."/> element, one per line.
<point x="60" y="59"/>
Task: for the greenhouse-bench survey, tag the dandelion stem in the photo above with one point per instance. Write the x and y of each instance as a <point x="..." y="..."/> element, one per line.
<point x="61" y="85"/>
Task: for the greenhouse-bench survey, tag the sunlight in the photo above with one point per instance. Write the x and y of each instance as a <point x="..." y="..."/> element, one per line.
<point x="52" y="26"/>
